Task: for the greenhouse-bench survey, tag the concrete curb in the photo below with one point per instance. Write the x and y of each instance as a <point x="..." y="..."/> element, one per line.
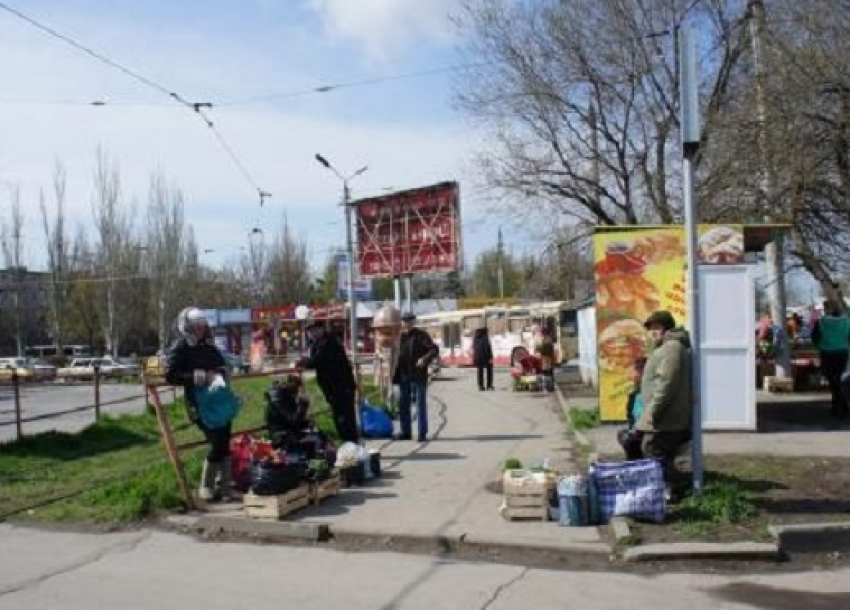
<point x="812" y="537"/>
<point x="581" y="437"/>
<point x="704" y="551"/>
<point x="266" y="530"/>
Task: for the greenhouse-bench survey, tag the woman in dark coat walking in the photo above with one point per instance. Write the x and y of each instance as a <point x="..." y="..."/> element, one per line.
<point x="482" y="357"/>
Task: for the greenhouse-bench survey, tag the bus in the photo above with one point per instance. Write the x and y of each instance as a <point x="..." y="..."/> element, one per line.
<point x="51" y="352"/>
<point x="514" y="331"/>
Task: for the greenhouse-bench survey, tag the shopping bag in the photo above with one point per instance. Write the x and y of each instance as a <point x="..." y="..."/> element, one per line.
<point x="634" y="489"/>
<point x="216" y="408"/>
<point x="374" y="422"/>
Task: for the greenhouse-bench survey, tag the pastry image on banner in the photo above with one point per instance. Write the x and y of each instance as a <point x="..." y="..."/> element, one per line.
<point x="721" y="244"/>
<point x="637" y="271"/>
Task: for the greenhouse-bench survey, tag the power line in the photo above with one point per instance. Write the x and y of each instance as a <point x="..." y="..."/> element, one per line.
<point x="346" y="85"/>
<point x="197" y="108"/>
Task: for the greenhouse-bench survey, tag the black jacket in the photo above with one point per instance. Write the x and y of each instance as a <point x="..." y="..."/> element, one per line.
<point x="482" y="350"/>
<point x="334" y="373"/>
<point x="415" y="344"/>
<point x="183" y="359"/>
<point x="285" y="412"/>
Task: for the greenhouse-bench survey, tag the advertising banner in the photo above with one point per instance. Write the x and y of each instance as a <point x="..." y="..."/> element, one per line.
<point x="637" y="272"/>
<point x="362" y="287"/>
<point x="410" y="232"/>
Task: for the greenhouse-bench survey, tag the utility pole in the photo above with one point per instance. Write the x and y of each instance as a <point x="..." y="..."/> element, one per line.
<point x="690" y="133"/>
<point x="774" y="251"/>
<point x="500" y="271"/>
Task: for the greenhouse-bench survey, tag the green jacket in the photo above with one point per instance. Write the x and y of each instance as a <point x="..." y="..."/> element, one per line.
<point x="666" y="385"/>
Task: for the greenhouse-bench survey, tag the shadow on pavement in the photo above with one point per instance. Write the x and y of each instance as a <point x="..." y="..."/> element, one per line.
<point x="797" y="416"/>
<point x="428" y="457"/>
<point x="490" y="437"/>
<point x="341" y="504"/>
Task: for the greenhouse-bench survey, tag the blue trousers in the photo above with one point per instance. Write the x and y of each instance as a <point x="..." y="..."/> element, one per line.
<point x="408" y="389"/>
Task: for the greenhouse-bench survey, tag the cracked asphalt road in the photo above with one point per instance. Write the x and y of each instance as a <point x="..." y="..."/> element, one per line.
<point x="150" y="569"/>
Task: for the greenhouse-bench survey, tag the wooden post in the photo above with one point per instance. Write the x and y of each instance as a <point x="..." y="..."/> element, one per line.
<point x="19" y="426"/>
<point x="171" y="448"/>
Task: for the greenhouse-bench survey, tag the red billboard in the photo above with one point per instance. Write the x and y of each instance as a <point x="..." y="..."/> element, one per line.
<point x="413" y="231"/>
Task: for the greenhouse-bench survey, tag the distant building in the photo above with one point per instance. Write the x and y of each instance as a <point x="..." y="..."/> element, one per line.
<point x="24" y="307"/>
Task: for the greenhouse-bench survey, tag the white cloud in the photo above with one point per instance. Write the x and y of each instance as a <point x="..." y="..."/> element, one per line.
<point x="387" y="27"/>
<point x="276" y="144"/>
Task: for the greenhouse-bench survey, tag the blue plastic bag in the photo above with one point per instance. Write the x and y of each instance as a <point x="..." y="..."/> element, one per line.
<point x="374" y="422"/>
<point x="216" y="408"/>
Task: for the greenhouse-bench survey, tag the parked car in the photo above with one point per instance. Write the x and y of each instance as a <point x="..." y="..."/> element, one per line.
<point x="84" y="368"/>
<point x="236" y="363"/>
<point x="29" y="369"/>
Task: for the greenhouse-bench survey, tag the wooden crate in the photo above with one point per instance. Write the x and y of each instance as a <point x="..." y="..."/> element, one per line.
<point x="276" y="507"/>
<point x="322" y="490"/>
<point x="525" y="498"/>
<point x="778" y="384"/>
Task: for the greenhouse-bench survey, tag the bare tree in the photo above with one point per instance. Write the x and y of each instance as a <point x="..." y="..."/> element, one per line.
<point x="12" y="236"/>
<point x="288" y="268"/>
<point x="580" y="99"/>
<point x="167" y="237"/>
<point x="57" y="255"/>
<point x="114" y="229"/>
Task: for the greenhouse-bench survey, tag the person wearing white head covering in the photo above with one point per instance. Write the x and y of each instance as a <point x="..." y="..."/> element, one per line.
<point x="194" y="361"/>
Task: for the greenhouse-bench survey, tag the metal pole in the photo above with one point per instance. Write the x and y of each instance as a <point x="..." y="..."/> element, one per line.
<point x="690" y="130"/>
<point x="97" y="393"/>
<point x="397" y="292"/>
<point x="774" y="254"/>
<point x="408" y="289"/>
<point x="19" y="426"/>
<point x="352" y="299"/>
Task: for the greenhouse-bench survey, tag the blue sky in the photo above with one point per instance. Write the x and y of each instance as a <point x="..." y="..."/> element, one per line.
<point x="405" y="130"/>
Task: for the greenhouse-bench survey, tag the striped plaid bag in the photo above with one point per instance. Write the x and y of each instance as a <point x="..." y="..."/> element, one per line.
<point x="634" y="489"/>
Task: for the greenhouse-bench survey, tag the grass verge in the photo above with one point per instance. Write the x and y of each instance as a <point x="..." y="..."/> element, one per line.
<point x="584" y="419"/>
<point x="115" y="471"/>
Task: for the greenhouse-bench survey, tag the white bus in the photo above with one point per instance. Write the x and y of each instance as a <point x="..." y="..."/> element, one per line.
<point x="513" y="330"/>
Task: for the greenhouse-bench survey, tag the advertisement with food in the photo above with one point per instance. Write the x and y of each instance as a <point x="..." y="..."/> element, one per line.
<point x="720" y="244"/>
<point x="637" y="272"/>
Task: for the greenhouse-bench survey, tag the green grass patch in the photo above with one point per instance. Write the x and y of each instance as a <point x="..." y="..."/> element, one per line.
<point x="584" y="419"/>
<point x="116" y="471"/>
<point x="723" y="502"/>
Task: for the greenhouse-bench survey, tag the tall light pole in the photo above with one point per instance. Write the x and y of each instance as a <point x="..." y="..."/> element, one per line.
<point x="690" y="133"/>
<point x="349" y="247"/>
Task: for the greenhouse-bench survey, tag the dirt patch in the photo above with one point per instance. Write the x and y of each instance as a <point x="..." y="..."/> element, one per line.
<point x="781" y="490"/>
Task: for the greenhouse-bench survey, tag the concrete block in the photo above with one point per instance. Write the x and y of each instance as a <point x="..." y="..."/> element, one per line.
<point x="619" y="527"/>
<point x="812" y="537"/>
<point x="702" y="551"/>
<point x="271" y="530"/>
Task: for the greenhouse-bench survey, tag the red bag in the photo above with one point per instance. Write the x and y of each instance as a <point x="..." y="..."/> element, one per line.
<point x="241" y="456"/>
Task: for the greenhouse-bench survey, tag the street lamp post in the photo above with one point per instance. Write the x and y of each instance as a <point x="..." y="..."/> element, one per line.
<point x="349" y="239"/>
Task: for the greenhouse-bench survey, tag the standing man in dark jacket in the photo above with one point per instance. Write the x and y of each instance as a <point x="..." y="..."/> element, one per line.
<point x="482" y="358"/>
<point x="335" y="377"/>
<point x="416" y="352"/>
<point x="193" y="361"/>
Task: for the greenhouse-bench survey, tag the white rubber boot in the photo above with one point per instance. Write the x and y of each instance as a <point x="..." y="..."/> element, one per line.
<point x="206" y="491"/>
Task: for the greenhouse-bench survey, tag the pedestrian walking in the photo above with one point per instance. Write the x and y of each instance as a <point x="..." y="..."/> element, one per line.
<point x="482" y="356"/>
<point x="416" y="352"/>
<point x="831" y="335"/>
<point x="196" y="364"/>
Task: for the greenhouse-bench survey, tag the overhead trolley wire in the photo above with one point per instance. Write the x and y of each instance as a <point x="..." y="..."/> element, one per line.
<point x="197" y="108"/>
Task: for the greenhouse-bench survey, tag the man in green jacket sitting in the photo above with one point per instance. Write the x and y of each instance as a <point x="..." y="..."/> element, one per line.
<point x="666" y="390"/>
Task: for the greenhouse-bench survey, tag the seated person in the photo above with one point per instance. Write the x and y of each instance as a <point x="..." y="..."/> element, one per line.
<point x="630" y="439"/>
<point x="286" y="411"/>
<point x="665" y="423"/>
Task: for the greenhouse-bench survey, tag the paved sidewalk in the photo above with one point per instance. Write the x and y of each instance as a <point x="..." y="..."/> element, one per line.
<point x="444" y="488"/>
